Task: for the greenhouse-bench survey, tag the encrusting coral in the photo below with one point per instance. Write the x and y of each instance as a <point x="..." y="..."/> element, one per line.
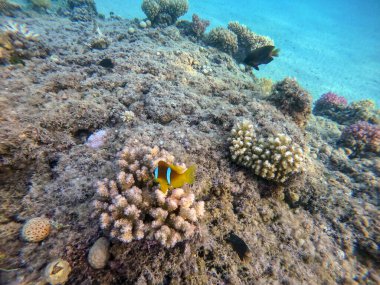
<point x="291" y="99"/>
<point x="223" y="39"/>
<point x="273" y="158"/>
<point x="164" y="12"/>
<point x="131" y="208"/>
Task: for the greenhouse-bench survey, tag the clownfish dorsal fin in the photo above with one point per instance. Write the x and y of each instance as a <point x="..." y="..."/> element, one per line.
<point x="178" y="169"/>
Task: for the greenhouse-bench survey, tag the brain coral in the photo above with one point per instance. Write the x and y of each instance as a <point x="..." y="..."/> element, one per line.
<point x="291" y="99"/>
<point x="131" y="208"/>
<point x="36" y="229"/>
<point x="223" y="39"/>
<point x="164" y="11"/>
<point x="362" y="137"/>
<point x="273" y="158"/>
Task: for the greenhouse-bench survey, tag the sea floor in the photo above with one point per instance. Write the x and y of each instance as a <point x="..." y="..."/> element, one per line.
<point x="321" y="227"/>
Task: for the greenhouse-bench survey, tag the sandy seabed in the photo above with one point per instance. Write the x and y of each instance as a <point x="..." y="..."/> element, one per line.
<point x="321" y="227"/>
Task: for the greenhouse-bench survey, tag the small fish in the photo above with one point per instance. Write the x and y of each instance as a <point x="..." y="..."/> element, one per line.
<point x="239" y="246"/>
<point x="171" y="176"/>
<point x="263" y="55"/>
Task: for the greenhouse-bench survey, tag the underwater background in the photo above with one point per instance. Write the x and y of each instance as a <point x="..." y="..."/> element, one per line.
<point x="327" y="45"/>
<point x="165" y="142"/>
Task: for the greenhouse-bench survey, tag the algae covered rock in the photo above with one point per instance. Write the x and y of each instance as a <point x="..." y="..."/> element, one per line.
<point x="99" y="253"/>
<point x="292" y="100"/>
<point x="36" y="229"/>
<point x="57" y="272"/>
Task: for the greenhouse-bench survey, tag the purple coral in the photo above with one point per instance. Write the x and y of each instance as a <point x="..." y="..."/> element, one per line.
<point x="362" y="136"/>
<point x="331" y="99"/>
<point x="199" y="26"/>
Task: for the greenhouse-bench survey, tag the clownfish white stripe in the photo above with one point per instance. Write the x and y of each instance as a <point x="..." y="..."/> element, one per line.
<point x="156" y="173"/>
<point x="168" y="172"/>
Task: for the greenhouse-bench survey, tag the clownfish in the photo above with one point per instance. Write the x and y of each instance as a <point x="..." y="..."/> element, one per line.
<point x="170" y="176"/>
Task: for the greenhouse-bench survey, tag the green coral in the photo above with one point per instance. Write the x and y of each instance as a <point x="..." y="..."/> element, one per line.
<point x="273" y="158"/>
<point x="164" y="11"/>
<point x="223" y="39"/>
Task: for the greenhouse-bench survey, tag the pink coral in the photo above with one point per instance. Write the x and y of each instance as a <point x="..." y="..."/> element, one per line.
<point x="331" y="100"/>
<point x="362" y="136"/>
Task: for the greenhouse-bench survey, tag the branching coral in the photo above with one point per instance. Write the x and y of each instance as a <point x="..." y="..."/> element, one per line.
<point x="273" y="158"/>
<point x="361" y="137"/>
<point x="164" y="11"/>
<point x="199" y="26"/>
<point x="329" y="103"/>
<point x="247" y="39"/>
<point x="131" y="208"/>
<point x="292" y="100"/>
<point x="223" y="39"/>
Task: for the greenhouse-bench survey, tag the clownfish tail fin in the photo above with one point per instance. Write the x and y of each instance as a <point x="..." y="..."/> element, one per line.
<point x="190" y="174"/>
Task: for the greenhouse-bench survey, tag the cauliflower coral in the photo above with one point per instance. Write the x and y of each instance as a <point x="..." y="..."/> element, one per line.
<point x="131" y="208"/>
<point x="273" y="158"/>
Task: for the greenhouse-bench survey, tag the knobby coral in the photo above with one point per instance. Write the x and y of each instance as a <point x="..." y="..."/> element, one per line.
<point x="361" y="137"/>
<point x="132" y="208"/>
<point x="164" y="11"/>
<point x="273" y="158"/>
<point x="291" y="99"/>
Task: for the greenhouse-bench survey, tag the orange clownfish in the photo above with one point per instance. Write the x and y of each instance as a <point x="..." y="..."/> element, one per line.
<point x="171" y="176"/>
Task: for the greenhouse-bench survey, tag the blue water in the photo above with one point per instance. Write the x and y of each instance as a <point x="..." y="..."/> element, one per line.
<point x="328" y="45"/>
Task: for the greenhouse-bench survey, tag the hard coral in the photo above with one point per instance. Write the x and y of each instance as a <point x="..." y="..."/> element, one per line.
<point x="131" y="208"/>
<point x="36" y="229"/>
<point x="223" y="39"/>
<point x="247" y="39"/>
<point x="79" y="10"/>
<point x="164" y="12"/>
<point x="329" y="103"/>
<point x="292" y="100"/>
<point x="361" y="137"/>
<point x="199" y="26"/>
<point x="273" y="158"/>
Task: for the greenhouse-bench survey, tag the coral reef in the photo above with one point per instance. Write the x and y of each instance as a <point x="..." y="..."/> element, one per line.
<point x="8" y="8"/>
<point x="164" y="12"/>
<point x="361" y="137"/>
<point x="223" y="39"/>
<point x="294" y="101"/>
<point x="57" y="272"/>
<point x="36" y="229"/>
<point x="131" y="209"/>
<point x="273" y="158"/>
<point x="335" y="107"/>
<point x="99" y="253"/>
<point x="17" y="43"/>
<point x="247" y="40"/>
